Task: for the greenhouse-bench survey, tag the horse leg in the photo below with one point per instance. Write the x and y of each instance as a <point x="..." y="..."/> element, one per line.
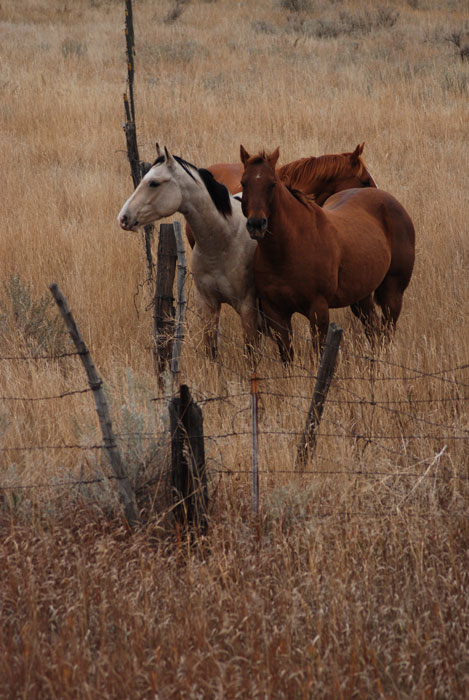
<point x="389" y="296"/>
<point x="319" y="322"/>
<point x="251" y="325"/>
<point x="365" y="310"/>
<point x="210" y="316"/>
<point x="280" y="326"/>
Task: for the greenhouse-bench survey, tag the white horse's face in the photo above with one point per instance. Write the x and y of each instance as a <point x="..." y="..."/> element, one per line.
<point x="157" y="196"/>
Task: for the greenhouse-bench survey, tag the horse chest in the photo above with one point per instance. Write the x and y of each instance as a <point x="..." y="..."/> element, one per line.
<point x="290" y="283"/>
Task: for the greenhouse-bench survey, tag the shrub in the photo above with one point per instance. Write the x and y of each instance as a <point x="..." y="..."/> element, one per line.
<point x="296" y="5"/>
<point x="176" y="11"/>
<point x="73" y="48"/>
<point x="41" y="331"/>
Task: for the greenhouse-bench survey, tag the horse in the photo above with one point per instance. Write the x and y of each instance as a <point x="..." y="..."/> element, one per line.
<point x="357" y="250"/>
<point x="223" y="251"/>
<point x="320" y="176"/>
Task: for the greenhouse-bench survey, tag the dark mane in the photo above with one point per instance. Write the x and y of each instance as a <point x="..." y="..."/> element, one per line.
<point x="183" y="163"/>
<point x="218" y="192"/>
<point x="300" y="196"/>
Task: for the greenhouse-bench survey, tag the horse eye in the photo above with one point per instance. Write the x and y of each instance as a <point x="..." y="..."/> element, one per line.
<point x="153" y="183"/>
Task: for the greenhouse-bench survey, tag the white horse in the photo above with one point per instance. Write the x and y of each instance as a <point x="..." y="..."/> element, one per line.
<point x="222" y="258"/>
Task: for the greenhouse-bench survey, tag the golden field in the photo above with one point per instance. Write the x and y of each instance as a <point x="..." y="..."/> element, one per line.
<point x="352" y="582"/>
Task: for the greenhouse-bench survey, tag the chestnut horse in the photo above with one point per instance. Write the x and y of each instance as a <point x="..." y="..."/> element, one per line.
<point x="357" y="250"/>
<point x="320" y="177"/>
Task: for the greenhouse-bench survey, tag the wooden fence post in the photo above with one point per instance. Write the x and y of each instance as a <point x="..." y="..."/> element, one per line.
<point x="163" y="306"/>
<point x="323" y="382"/>
<point x="124" y="487"/>
<point x="137" y="167"/>
<point x="188" y="474"/>
<point x="181" y="299"/>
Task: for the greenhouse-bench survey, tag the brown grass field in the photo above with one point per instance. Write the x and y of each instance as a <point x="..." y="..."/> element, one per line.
<point x="353" y="580"/>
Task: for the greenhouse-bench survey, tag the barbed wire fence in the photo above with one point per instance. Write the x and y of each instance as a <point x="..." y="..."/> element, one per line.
<point x="249" y="401"/>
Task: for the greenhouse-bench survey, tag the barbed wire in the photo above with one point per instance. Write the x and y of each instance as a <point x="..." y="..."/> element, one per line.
<point x="363" y="401"/>
<point x="33" y="358"/>
<point x="31" y="448"/>
<point x="228" y="471"/>
<point x="338" y="472"/>
<point x="46" y="398"/>
<point x="370" y="437"/>
<point x="368" y="358"/>
<point x="60" y="484"/>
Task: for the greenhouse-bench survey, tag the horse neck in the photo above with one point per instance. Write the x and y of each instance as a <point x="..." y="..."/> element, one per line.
<point x="309" y="174"/>
<point x="210" y="228"/>
<point x="286" y="211"/>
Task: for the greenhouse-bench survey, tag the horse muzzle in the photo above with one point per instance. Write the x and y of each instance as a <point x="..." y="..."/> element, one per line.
<point x="126" y="223"/>
<point x="257" y="227"/>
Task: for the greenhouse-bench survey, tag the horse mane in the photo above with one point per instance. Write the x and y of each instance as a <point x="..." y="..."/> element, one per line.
<point x="306" y="199"/>
<point x="218" y="192"/>
<point x="325" y="168"/>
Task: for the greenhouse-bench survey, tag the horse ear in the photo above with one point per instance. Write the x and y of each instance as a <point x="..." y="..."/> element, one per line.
<point x="357" y="153"/>
<point x="244" y="154"/>
<point x="169" y="157"/>
<point x="273" y="158"/>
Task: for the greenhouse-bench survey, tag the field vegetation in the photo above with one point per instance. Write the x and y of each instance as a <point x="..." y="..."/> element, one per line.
<point x="352" y="582"/>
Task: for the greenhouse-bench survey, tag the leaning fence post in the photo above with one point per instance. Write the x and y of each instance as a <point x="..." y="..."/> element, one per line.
<point x="181" y="299"/>
<point x="188" y="473"/>
<point x="255" y="453"/>
<point x="323" y="382"/>
<point x="125" y="490"/>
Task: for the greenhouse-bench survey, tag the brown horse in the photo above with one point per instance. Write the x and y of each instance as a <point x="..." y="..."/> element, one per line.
<point x="357" y="250"/>
<point x="320" y="177"/>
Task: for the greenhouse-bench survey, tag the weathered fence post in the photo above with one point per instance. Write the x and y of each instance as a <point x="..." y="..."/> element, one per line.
<point x="130" y="129"/>
<point x="181" y="299"/>
<point x="323" y="382"/>
<point x="125" y="490"/>
<point x="255" y="453"/>
<point x="163" y="305"/>
<point x="188" y="474"/>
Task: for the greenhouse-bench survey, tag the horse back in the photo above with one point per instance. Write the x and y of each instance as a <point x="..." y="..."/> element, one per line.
<point x="372" y="201"/>
<point x="359" y="205"/>
<point x="229" y="174"/>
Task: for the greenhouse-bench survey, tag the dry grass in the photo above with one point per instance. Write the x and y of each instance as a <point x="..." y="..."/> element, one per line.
<point x="347" y="585"/>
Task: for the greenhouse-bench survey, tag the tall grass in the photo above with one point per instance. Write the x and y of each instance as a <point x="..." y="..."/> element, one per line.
<point x="353" y="580"/>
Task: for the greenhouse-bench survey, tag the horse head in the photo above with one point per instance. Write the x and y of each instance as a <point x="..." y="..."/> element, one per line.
<point x="354" y="173"/>
<point x="344" y="171"/>
<point x="258" y="183"/>
<point x="158" y="194"/>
